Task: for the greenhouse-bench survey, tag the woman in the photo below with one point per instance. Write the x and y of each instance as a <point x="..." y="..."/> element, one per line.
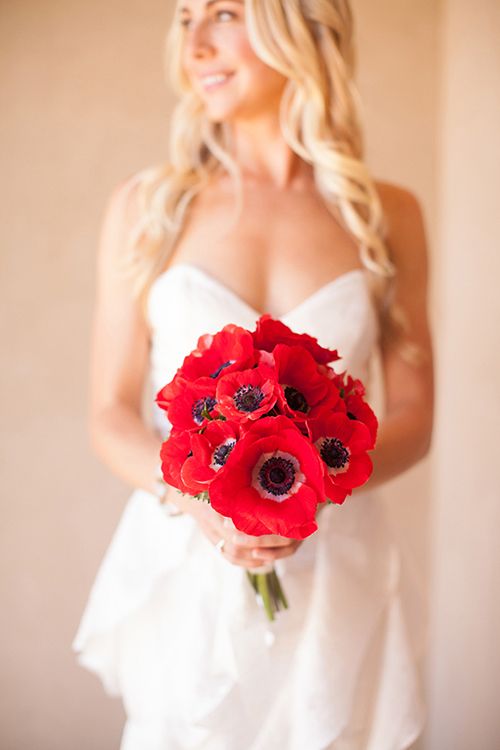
<point x="265" y="205"/>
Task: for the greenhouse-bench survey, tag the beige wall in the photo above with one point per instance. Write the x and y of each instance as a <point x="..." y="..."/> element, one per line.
<point x="464" y="663"/>
<point x="85" y="106"/>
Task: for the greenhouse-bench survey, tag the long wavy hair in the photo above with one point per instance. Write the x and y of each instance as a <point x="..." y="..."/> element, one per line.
<point x="311" y="43"/>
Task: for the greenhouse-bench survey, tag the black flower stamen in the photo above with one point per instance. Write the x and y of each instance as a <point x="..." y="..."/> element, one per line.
<point x="221" y="454"/>
<point x="277" y="475"/>
<point x="248" y="398"/>
<point x="217" y="372"/>
<point x="199" y="406"/>
<point x="295" y="399"/>
<point x="334" y="453"/>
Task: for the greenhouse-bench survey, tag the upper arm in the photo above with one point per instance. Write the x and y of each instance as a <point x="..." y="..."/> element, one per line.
<point x="407" y="382"/>
<point x="120" y="337"/>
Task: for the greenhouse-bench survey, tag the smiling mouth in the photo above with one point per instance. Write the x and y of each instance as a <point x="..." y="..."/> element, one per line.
<point x="215" y="81"/>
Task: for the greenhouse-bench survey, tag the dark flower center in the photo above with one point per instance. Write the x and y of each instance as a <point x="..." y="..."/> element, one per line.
<point x="221" y="453"/>
<point x="199" y="406"/>
<point x="295" y="399"/>
<point x="248" y="398"/>
<point x="334" y="453"/>
<point x="277" y="475"/>
<point x="222" y="367"/>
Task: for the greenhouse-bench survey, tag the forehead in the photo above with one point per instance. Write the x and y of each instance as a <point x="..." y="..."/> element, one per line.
<point x="198" y="5"/>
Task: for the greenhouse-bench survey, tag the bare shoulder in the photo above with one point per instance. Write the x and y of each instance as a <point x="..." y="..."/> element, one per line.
<point x="123" y="201"/>
<point x="123" y="210"/>
<point x="406" y="235"/>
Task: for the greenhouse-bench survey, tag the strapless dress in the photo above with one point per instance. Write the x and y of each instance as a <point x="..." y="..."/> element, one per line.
<point x="175" y="629"/>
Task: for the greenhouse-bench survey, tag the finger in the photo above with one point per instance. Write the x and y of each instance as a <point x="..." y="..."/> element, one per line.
<point x="250" y="551"/>
<point x="247" y="557"/>
<point x="235" y="554"/>
<point x="214" y="536"/>
<point x="275" y="553"/>
<point x="241" y="555"/>
<point x="267" y="540"/>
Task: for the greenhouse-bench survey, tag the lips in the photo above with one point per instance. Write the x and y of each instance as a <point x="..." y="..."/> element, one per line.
<point x="214" y="80"/>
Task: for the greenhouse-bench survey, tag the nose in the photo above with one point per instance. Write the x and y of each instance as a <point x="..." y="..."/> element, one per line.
<point x="198" y="43"/>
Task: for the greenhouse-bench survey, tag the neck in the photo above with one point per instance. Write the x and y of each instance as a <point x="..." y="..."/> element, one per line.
<point x="263" y="155"/>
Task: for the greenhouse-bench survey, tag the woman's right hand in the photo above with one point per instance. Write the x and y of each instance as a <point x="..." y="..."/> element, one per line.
<point x="239" y="549"/>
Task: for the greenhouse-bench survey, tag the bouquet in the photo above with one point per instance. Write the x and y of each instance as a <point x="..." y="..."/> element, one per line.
<point x="265" y="430"/>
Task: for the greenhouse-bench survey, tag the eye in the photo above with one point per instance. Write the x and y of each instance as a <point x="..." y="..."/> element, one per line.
<point x="222" y="16"/>
<point x="225" y="15"/>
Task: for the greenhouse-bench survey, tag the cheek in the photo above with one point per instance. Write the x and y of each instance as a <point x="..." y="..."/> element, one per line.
<point x="267" y="83"/>
<point x="250" y="66"/>
<point x="259" y="76"/>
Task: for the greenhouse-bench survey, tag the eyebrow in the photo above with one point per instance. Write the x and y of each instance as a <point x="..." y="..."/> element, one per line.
<point x="183" y="9"/>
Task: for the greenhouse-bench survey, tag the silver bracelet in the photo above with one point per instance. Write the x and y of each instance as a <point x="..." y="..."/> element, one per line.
<point x="161" y="490"/>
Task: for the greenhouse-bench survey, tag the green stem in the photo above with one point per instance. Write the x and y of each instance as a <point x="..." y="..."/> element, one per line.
<point x="274" y="589"/>
<point x="263" y="586"/>
<point x="268" y="587"/>
<point x="253" y="580"/>
<point x="279" y="591"/>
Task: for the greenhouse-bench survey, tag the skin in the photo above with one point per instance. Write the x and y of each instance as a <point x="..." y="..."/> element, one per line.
<point x="279" y="253"/>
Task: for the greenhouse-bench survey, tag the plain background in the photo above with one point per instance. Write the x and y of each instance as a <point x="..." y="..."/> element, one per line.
<point x="84" y="104"/>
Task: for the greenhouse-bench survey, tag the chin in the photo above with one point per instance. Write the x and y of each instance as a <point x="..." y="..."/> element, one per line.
<point x="217" y="116"/>
<point x="220" y="114"/>
<point x="233" y="113"/>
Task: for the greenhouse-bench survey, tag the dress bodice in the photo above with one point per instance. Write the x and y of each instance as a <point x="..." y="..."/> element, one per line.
<point x="185" y="302"/>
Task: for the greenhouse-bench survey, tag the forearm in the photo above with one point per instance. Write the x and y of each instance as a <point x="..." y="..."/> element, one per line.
<point x="127" y="446"/>
<point x="404" y="438"/>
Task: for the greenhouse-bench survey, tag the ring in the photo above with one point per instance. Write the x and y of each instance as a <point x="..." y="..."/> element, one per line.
<point x="220" y="545"/>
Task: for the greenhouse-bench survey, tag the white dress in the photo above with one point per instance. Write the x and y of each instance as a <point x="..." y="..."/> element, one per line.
<point x="175" y="629"/>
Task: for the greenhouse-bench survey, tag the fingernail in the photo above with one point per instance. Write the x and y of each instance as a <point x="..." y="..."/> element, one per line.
<point x="257" y="553"/>
<point x="238" y="538"/>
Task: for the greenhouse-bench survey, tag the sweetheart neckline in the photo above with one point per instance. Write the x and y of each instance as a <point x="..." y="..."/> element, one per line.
<point x="209" y="278"/>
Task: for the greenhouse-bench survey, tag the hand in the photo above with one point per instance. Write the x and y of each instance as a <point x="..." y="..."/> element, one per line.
<point x="240" y="549"/>
<point x="261" y="550"/>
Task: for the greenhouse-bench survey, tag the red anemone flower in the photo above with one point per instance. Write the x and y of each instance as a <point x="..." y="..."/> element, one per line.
<point x="342" y="444"/>
<point x="272" y="481"/>
<point x="186" y="409"/>
<point x="358" y="409"/>
<point x="173" y="454"/>
<point x="304" y="389"/>
<point x="166" y="395"/>
<point x="353" y="387"/>
<point x="230" y="349"/>
<point x="210" y="451"/>
<point x="247" y="395"/>
<point x="269" y="332"/>
<point x="352" y="402"/>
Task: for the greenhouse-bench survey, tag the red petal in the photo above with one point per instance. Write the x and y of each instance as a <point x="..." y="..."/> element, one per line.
<point x="359" y="471"/>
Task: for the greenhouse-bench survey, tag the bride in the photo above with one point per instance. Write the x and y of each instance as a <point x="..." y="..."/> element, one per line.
<point x="265" y="205"/>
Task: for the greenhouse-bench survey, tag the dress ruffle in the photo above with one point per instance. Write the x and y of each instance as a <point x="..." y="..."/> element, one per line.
<point x="175" y="629"/>
<point x="145" y="548"/>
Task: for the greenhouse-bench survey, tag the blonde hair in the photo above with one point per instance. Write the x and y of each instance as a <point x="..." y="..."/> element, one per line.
<point x="310" y="42"/>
